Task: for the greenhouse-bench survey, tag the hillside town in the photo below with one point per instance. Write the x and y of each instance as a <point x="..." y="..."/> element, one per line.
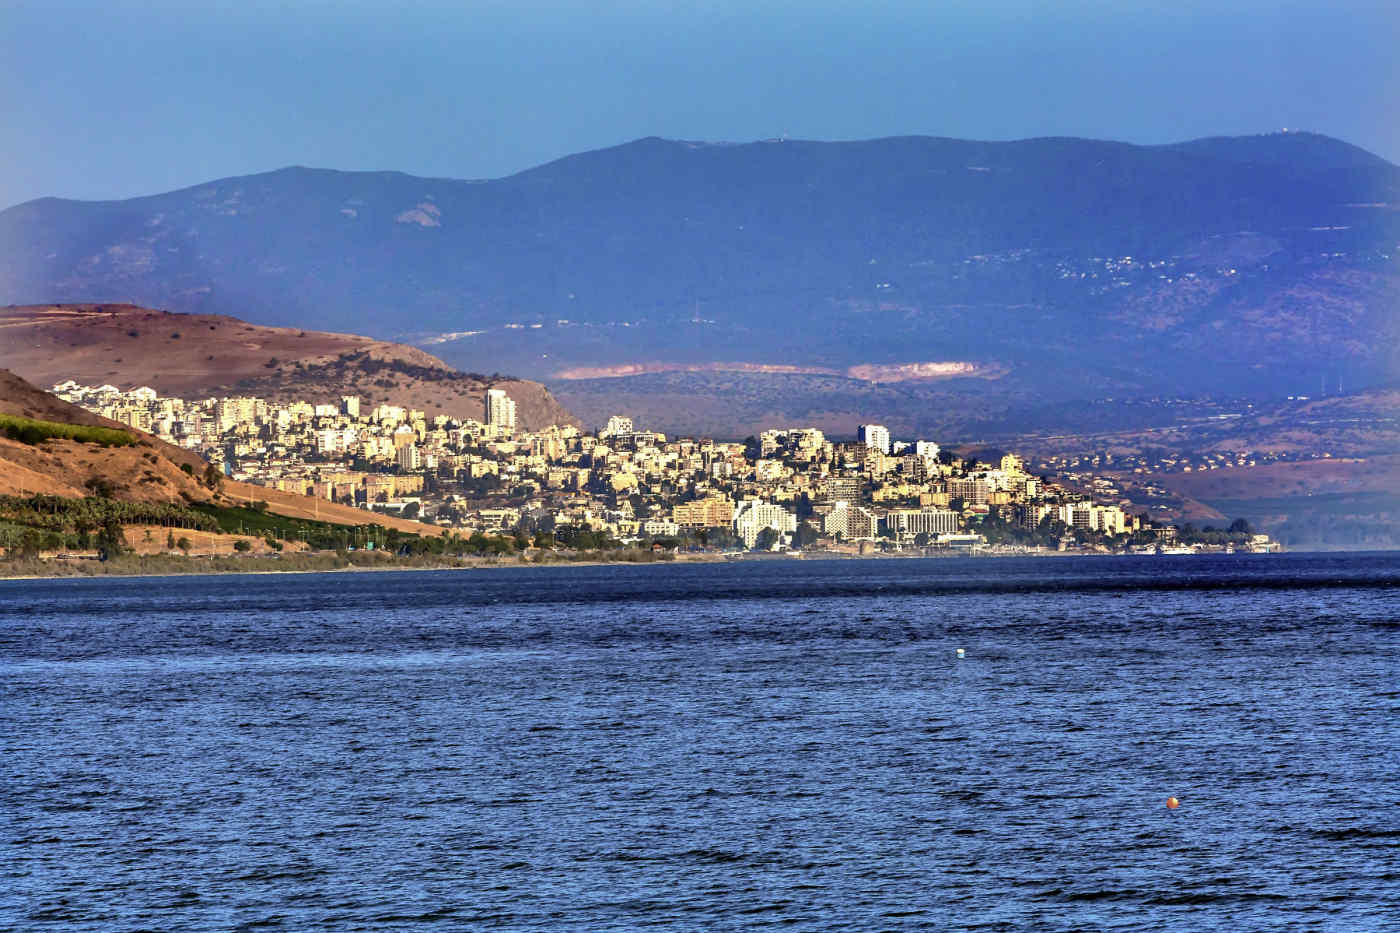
<point x="786" y="490"/>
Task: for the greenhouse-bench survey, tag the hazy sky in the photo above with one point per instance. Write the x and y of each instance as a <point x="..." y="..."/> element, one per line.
<point x="117" y="98"/>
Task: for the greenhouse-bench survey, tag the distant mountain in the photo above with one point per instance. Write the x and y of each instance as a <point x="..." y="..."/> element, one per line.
<point x="1054" y="266"/>
<point x="199" y="355"/>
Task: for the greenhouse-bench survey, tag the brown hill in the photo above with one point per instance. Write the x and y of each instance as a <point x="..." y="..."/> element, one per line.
<point x="148" y="471"/>
<point x="200" y="355"/>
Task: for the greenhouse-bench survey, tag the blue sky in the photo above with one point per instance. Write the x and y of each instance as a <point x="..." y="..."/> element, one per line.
<point x="120" y="98"/>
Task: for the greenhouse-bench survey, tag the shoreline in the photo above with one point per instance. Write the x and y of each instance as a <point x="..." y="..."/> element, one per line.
<point x="127" y="568"/>
<point x="130" y="567"/>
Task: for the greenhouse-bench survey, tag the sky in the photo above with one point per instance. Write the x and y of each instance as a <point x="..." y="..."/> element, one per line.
<point x="119" y="98"/>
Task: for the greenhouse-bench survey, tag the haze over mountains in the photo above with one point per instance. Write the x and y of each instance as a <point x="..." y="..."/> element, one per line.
<point x="1052" y="268"/>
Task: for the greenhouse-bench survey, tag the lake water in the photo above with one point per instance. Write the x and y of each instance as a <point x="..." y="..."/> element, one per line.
<point x="776" y="744"/>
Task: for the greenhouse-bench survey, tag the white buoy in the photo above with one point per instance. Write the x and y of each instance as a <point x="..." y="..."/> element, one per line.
<point x="961" y="653"/>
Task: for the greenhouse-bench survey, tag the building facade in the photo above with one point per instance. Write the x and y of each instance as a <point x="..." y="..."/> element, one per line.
<point x="876" y="437"/>
<point x="752" y="516"/>
<point x="500" y="411"/>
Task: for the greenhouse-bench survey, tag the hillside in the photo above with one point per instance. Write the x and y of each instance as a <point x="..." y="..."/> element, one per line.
<point x="1076" y="266"/>
<point x="147" y="471"/>
<point x="196" y="356"/>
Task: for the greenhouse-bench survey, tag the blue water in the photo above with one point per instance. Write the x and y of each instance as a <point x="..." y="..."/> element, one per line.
<point x="709" y="747"/>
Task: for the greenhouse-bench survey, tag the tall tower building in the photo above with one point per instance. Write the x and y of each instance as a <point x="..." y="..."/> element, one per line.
<point x="500" y="411"/>
<point x="876" y="436"/>
<point x="408" y="457"/>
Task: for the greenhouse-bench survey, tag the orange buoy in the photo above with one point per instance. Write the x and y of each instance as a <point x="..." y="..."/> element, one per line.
<point x="1173" y="803"/>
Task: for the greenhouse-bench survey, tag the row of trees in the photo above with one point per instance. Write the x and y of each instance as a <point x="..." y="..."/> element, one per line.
<point x="23" y="541"/>
<point x="1238" y="532"/>
<point x="83" y="516"/>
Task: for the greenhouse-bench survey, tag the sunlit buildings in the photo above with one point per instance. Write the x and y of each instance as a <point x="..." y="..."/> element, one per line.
<point x="500" y="411"/>
<point x="753" y="516"/>
<point x="875" y="436"/>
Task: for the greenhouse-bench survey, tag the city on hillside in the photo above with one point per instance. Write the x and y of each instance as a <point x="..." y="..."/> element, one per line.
<point x="786" y="490"/>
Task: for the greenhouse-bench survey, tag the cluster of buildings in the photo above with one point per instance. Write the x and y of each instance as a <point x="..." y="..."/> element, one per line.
<point x="1139" y="464"/>
<point x="785" y="488"/>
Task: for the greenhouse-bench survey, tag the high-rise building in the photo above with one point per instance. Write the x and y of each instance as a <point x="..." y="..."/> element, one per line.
<point x="350" y="405"/>
<point x="842" y="489"/>
<point x="409" y="457"/>
<point x="500" y="411"/>
<point x="875" y="436"/>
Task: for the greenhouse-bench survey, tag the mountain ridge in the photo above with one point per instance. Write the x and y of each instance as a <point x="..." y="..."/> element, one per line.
<point x="1240" y="144"/>
<point x="1235" y="263"/>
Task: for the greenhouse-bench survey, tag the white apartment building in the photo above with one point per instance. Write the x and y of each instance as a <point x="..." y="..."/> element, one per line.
<point x="752" y="516"/>
<point x="617" y="424"/>
<point x="909" y="523"/>
<point x="1108" y="519"/>
<point x="500" y="411"/>
<point x="852" y="522"/>
<point x="660" y="528"/>
<point x="875" y="436"/>
<point x="330" y="441"/>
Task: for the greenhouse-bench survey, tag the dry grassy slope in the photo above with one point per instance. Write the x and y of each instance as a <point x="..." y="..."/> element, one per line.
<point x="150" y="471"/>
<point x="152" y="539"/>
<point x="199" y="355"/>
<point x="295" y="506"/>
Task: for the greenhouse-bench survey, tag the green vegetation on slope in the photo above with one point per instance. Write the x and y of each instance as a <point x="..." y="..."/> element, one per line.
<point x="35" y="431"/>
<point x="32" y="524"/>
<point x="317" y="534"/>
<point x="66" y="514"/>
